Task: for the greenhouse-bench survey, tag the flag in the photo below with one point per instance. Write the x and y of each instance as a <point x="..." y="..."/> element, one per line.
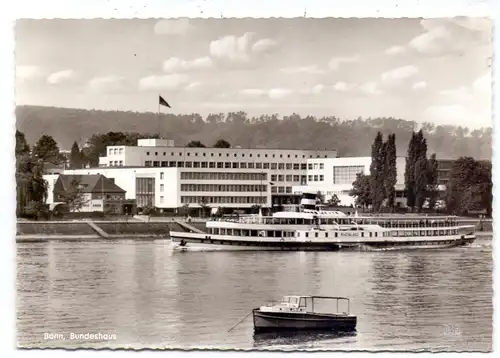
<point x="163" y="102"/>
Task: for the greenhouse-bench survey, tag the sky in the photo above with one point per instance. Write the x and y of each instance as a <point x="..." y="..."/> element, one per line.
<point x="433" y="70"/>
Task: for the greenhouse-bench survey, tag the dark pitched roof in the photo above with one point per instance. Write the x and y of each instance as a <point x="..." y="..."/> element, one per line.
<point x="93" y="183"/>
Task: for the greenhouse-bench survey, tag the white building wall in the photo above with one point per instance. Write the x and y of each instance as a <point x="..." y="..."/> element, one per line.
<point x="324" y="168"/>
<point x="147" y="155"/>
<point x="155" y="142"/>
<point x="125" y="178"/>
<point x="284" y="168"/>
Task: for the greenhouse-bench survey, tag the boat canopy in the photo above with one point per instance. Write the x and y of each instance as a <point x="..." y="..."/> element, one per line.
<point x="314" y="303"/>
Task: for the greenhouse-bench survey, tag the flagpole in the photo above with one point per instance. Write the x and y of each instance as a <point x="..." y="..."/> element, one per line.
<point x="159" y="120"/>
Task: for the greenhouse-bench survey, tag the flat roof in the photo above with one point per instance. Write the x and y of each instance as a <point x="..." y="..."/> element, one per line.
<point x="213" y="148"/>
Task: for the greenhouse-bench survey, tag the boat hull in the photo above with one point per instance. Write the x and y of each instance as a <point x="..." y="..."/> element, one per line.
<point x="281" y="321"/>
<point x="187" y="241"/>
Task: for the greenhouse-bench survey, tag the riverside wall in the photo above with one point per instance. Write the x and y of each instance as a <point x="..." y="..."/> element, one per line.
<point x="86" y="230"/>
<point x="81" y="230"/>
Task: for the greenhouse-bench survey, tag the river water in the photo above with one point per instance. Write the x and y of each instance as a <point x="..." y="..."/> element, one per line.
<point x="148" y="296"/>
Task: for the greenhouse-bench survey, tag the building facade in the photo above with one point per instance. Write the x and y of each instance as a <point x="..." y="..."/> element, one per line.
<point x="87" y="193"/>
<point x="334" y="176"/>
<point x="156" y="173"/>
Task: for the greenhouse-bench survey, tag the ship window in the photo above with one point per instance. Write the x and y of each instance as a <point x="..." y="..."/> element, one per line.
<point x="336" y="234"/>
<point x="316" y="235"/>
<point x="362" y="234"/>
<point x="307" y="234"/>
<point x="326" y="234"/>
<point x="370" y="234"/>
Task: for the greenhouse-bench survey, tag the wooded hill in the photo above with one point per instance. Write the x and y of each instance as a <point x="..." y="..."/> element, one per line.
<point x="350" y="138"/>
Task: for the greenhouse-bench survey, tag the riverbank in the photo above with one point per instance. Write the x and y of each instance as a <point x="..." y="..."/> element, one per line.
<point x="83" y="230"/>
<point x="140" y="228"/>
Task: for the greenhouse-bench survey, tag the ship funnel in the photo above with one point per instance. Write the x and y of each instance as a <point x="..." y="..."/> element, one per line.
<point x="308" y="201"/>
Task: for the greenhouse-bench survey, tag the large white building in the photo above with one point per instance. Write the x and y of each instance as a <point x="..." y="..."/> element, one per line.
<point x="334" y="176"/>
<point x="156" y="173"/>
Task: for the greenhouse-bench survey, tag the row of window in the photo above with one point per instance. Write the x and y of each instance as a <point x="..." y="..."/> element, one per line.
<point x="242" y="155"/>
<point x="281" y="189"/>
<point x="115" y="151"/>
<point x="346" y="174"/>
<point x="316" y="177"/>
<point x="226" y="165"/>
<point x="224" y="199"/>
<point x="286" y="233"/>
<point x="116" y="163"/>
<point x="222" y="187"/>
<point x="222" y="176"/>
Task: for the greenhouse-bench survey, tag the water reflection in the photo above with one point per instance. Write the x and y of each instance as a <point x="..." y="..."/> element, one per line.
<point x="152" y="297"/>
<point x="295" y="340"/>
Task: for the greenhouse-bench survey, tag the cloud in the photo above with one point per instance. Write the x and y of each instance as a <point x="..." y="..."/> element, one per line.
<point x="470" y="105"/>
<point x="239" y="50"/>
<point x="399" y="75"/>
<point x="106" y="83"/>
<point x="312" y="69"/>
<point x="343" y="86"/>
<point x="479" y="91"/>
<point x="28" y="72"/>
<point x="482" y="85"/>
<point x="279" y="93"/>
<point x="458" y="94"/>
<point x="455" y="114"/>
<point x="252" y="92"/>
<point x="319" y="88"/>
<point x="194" y="86"/>
<point x="335" y="62"/>
<point x="61" y="76"/>
<point x="263" y="45"/>
<point x="273" y="93"/>
<point x="174" y="64"/>
<point x="394" y="50"/>
<point x="232" y="48"/>
<point x="370" y="88"/>
<point x="419" y="85"/>
<point x="173" y="26"/>
<point x="451" y="36"/>
<point x="169" y="82"/>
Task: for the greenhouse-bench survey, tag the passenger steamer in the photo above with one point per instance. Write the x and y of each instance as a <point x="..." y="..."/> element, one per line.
<point x="309" y="229"/>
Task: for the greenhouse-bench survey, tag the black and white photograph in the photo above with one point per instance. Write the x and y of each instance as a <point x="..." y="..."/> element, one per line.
<point x="268" y="184"/>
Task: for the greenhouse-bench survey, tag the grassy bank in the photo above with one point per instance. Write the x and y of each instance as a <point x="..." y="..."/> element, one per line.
<point x="67" y="230"/>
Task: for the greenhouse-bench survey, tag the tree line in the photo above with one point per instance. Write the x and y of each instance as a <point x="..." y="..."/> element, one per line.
<point x="349" y="137"/>
<point x="468" y="188"/>
<point x="31" y="188"/>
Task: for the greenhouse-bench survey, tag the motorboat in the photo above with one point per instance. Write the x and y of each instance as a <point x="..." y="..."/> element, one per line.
<point x="305" y="313"/>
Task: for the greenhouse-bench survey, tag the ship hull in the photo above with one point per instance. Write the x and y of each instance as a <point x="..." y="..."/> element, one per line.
<point x="281" y="321"/>
<point x="187" y="241"/>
